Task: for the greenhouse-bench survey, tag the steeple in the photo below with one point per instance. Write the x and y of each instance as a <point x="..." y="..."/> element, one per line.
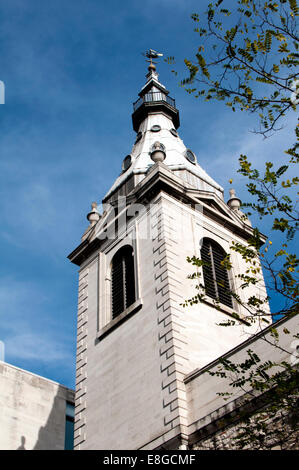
<point x="154" y="98"/>
<point x="136" y="343"/>
<point x="156" y="120"/>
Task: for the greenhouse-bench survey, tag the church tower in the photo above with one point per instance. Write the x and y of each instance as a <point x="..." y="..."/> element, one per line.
<point x="136" y="341"/>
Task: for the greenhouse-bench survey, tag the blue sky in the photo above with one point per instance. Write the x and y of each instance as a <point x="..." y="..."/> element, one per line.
<point x="72" y="70"/>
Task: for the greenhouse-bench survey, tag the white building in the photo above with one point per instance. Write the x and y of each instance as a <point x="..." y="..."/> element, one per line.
<point x="140" y="353"/>
<point x="35" y="413"/>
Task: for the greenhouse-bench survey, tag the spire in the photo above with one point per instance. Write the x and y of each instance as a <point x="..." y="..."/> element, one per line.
<point x="154" y="97"/>
<point x="152" y="71"/>
<point x="156" y="120"/>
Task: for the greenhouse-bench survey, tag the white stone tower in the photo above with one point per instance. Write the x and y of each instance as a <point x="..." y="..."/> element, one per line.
<point x="135" y="341"/>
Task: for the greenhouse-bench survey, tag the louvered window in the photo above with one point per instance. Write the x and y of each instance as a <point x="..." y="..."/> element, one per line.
<point x="123" y="280"/>
<point x="215" y="275"/>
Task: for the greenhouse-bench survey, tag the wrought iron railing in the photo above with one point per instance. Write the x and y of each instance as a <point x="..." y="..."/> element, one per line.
<point x="153" y="96"/>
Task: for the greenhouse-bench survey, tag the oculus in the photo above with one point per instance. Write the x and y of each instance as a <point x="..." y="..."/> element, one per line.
<point x="127" y="162"/>
<point x="174" y="132"/>
<point x="138" y="137"/>
<point x="155" y="128"/>
<point x="190" y="156"/>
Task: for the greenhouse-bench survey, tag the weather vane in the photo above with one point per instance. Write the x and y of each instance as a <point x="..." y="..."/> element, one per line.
<point x="151" y="54"/>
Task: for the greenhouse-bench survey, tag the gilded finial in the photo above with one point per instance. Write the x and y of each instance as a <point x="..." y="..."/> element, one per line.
<point x="151" y="54"/>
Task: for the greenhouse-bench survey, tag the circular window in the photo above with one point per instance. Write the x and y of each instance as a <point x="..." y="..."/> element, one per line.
<point x="138" y="137"/>
<point x="190" y="156"/>
<point x="127" y="162"/>
<point x="174" y="132"/>
<point x="156" y="128"/>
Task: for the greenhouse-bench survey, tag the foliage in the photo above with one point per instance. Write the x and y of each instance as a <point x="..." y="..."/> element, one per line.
<point x="272" y="387"/>
<point x="248" y="59"/>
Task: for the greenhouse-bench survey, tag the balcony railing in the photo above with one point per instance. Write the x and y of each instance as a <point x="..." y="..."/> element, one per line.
<point x="153" y="96"/>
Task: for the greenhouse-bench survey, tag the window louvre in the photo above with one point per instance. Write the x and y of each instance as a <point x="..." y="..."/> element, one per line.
<point x="215" y="275"/>
<point x="208" y="271"/>
<point x="123" y="280"/>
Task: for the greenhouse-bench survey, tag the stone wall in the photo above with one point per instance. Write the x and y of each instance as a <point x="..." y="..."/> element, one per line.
<point x="33" y="410"/>
<point x="214" y="420"/>
<point x="130" y="391"/>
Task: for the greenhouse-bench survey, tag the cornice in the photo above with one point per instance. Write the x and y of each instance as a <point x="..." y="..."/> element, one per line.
<point x="161" y="179"/>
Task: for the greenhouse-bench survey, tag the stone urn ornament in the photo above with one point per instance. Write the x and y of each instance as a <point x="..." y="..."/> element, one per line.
<point x="158" y="152"/>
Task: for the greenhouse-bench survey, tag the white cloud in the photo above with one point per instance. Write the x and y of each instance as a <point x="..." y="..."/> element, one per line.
<point x="26" y="329"/>
<point x="233" y="138"/>
<point x="37" y="347"/>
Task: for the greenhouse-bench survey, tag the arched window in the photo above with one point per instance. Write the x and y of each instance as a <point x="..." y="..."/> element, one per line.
<point x="215" y="275"/>
<point x="123" y="280"/>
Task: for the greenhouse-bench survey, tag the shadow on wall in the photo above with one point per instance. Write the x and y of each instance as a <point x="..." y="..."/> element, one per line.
<point x="22" y="446"/>
<point x="52" y="435"/>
